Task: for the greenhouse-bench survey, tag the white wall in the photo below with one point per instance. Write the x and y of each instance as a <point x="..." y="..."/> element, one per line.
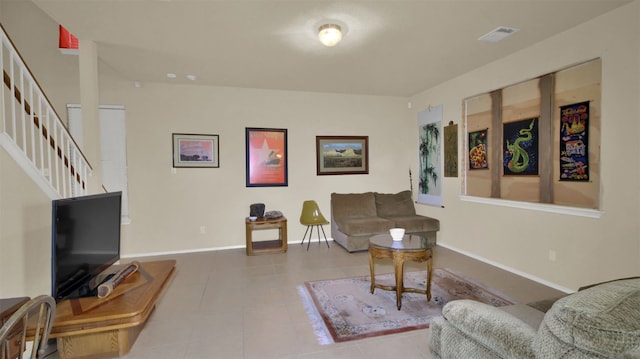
<point x="167" y="209"/>
<point x="25" y="233"/>
<point x="588" y="250"/>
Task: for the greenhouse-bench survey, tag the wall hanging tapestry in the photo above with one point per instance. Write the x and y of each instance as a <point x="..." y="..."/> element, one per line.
<point x="451" y="150"/>
<point x="341" y="310"/>
<point x="478" y="150"/>
<point x="430" y="156"/>
<point x="521" y="147"/>
<point x="574" y="146"/>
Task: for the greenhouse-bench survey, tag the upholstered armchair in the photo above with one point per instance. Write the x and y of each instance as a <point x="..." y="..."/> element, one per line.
<point x="599" y="322"/>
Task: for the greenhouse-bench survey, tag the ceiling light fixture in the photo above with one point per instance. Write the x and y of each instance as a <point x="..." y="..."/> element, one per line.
<point x="330" y="34"/>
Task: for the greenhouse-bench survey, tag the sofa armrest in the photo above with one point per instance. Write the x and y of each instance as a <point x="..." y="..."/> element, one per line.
<point x="478" y="328"/>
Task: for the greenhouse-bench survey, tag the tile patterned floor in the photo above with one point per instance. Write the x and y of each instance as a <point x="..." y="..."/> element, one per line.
<point x="223" y="304"/>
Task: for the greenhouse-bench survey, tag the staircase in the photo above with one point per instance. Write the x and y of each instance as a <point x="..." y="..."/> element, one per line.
<point x="32" y="133"/>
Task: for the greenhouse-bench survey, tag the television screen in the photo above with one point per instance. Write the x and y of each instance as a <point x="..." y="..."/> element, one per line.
<point x="85" y="241"/>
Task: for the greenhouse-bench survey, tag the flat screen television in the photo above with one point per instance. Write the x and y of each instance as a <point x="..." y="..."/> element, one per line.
<point x="85" y="242"/>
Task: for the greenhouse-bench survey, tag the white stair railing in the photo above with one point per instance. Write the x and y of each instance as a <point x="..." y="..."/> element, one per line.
<point x="33" y="134"/>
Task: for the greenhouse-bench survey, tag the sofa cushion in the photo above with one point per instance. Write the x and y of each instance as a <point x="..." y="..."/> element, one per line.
<point x="526" y="313"/>
<point x="415" y="223"/>
<point x="398" y="204"/>
<point x="487" y="332"/>
<point x="602" y="321"/>
<point x="353" y="205"/>
<point x="364" y="226"/>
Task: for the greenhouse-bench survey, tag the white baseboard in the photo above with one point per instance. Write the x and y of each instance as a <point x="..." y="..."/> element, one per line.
<point x="198" y="250"/>
<point x="471" y="255"/>
<point x="509" y="269"/>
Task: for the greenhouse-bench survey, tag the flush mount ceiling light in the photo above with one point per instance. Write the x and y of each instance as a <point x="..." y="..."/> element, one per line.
<point x="330" y="34"/>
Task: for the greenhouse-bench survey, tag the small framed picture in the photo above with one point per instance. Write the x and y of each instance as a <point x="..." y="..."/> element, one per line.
<point x="196" y="151"/>
<point x="342" y="155"/>
<point x="266" y="157"/>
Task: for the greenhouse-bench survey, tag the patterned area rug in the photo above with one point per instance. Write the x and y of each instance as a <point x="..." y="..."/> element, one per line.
<point x="343" y="309"/>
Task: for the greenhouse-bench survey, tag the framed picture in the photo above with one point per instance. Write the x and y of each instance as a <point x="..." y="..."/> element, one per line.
<point x="342" y="155"/>
<point x="266" y="151"/>
<point x="191" y="150"/>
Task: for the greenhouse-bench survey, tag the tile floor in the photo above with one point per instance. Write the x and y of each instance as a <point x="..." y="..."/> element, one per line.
<point x="224" y="304"/>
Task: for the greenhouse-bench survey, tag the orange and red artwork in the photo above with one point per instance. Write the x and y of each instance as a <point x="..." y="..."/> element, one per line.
<point x="266" y="157"/>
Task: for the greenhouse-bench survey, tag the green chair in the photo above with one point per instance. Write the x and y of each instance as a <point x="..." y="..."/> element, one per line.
<point x="310" y="217"/>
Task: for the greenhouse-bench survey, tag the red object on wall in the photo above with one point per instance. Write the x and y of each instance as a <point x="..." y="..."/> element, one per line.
<point x="67" y="40"/>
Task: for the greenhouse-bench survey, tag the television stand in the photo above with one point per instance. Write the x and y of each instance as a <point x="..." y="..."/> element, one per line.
<point x="103" y="328"/>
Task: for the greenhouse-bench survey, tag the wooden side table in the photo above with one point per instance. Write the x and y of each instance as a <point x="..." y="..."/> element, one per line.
<point x="274" y="246"/>
<point x="411" y="248"/>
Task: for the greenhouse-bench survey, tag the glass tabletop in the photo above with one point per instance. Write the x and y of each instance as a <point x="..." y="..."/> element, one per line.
<point x="408" y="242"/>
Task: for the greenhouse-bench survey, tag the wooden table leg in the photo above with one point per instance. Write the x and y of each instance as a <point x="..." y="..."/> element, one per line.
<point x="429" y="271"/>
<point x="371" y="270"/>
<point x="398" y="268"/>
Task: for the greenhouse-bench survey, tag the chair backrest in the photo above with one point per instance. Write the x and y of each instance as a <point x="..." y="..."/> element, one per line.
<point x="602" y="321"/>
<point x="311" y="214"/>
<point x="37" y="315"/>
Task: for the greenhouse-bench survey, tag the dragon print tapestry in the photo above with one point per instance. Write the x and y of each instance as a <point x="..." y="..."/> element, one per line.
<point x="521" y="147"/>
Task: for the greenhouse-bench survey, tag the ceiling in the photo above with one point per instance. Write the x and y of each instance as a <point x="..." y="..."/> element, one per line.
<point x="393" y="47"/>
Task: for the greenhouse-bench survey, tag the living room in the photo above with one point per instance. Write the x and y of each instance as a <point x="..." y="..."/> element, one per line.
<point x="195" y="210"/>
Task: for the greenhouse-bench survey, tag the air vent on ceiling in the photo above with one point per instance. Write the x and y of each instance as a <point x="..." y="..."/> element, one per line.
<point x="498" y="34"/>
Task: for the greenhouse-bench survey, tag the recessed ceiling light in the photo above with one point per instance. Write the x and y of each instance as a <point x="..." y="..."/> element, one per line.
<point x="171" y="75"/>
<point x="191" y="77"/>
<point x="498" y="34"/>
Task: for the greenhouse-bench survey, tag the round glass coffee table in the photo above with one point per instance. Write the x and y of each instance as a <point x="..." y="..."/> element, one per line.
<point x="410" y="248"/>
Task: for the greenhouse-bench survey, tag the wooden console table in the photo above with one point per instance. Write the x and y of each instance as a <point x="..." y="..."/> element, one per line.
<point x="108" y="327"/>
<point x="259" y="247"/>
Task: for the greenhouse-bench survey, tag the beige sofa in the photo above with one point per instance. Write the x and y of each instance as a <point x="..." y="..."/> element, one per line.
<point x="355" y="217"/>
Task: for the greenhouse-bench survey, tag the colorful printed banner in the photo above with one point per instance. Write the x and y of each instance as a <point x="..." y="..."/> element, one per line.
<point x="574" y="145"/>
<point x="521" y="147"/>
<point x="478" y="150"/>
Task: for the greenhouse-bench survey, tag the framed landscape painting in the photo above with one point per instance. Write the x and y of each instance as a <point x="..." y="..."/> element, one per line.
<point x="266" y="157"/>
<point x="342" y="155"/>
<point x="196" y="151"/>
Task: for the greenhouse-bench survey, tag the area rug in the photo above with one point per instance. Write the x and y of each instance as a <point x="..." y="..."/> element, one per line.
<point x="341" y="310"/>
